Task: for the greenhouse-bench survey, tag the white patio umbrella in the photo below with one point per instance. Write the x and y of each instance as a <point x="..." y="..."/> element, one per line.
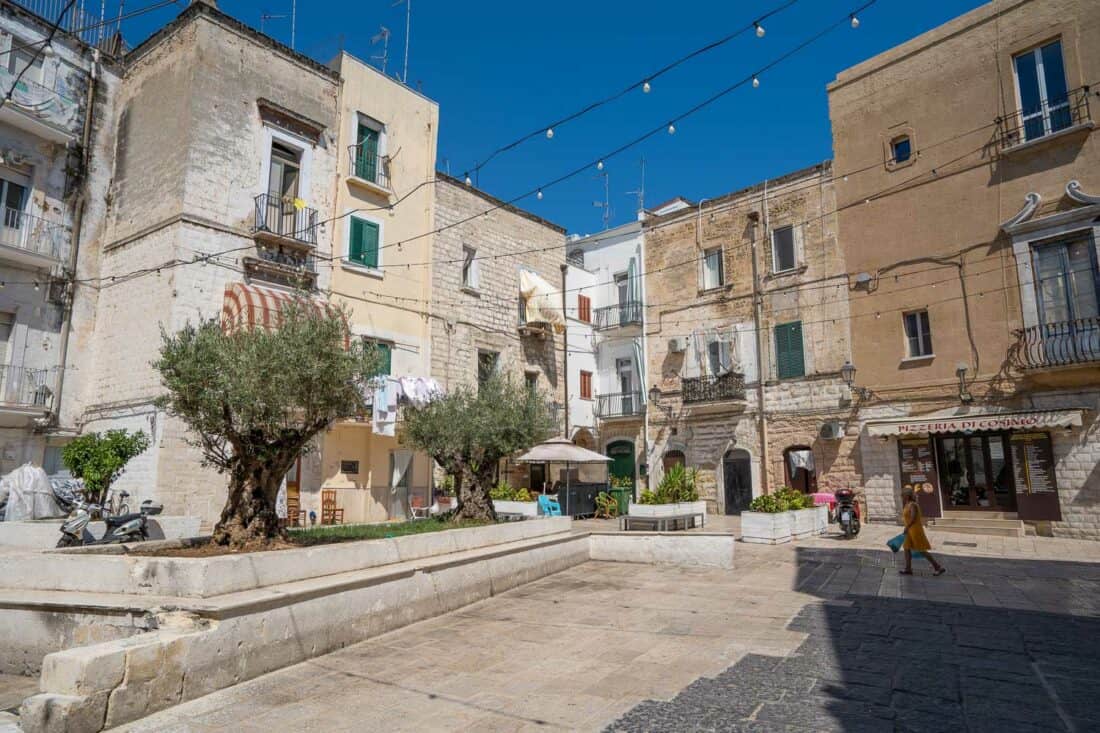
<point x="562" y="450"/>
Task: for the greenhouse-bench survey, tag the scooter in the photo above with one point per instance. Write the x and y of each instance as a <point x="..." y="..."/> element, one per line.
<point x="847" y="512"/>
<point x="133" y="527"/>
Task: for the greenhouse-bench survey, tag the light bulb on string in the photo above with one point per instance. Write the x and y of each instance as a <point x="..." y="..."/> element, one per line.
<point x="759" y="30"/>
<point x="469" y="181"/>
<point x="539" y="195"/>
<point x="646" y="87"/>
<point x="599" y="166"/>
<point x="549" y="133"/>
<point x="756" y="82"/>
<point x="36" y="285"/>
<point x="671" y="129"/>
<point x="855" y="21"/>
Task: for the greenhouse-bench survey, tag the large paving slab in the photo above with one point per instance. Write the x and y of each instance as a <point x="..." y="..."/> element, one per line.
<point x="822" y="635"/>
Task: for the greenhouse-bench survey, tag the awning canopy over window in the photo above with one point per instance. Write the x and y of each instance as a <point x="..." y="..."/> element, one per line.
<point x="541" y="300"/>
<point x="247" y="306"/>
<point x="973" y="423"/>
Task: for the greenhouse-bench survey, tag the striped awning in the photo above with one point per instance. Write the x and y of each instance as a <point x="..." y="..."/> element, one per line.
<point x="247" y="306"/>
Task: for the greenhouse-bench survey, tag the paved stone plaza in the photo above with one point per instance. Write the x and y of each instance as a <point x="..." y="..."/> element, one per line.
<point x="822" y="635"/>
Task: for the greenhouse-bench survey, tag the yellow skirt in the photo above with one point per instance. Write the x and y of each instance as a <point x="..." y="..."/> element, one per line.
<point x="915" y="539"/>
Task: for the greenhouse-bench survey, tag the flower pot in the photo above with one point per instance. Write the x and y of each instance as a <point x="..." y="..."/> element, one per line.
<point x="764" y="528"/>
<point x="803" y="523"/>
<point x="523" y="508"/>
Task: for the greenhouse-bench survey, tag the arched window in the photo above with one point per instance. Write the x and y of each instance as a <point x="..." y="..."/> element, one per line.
<point x="674" y="458"/>
<point x="798" y="468"/>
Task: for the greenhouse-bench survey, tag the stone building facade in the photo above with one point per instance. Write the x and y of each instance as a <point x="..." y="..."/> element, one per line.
<point x="219" y="158"/>
<point x="968" y="191"/>
<point x="747" y="331"/>
<point x="481" y="246"/>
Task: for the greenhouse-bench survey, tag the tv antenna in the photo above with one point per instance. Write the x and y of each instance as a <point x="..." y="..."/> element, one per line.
<point x="640" y="192"/>
<point x="382" y="35"/>
<point x="264" y="17"/>
<point x="606" y="203"/>
<point x="408" y="24"/>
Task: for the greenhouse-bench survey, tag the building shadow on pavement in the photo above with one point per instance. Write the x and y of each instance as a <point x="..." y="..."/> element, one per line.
<point x="994" y="645"/>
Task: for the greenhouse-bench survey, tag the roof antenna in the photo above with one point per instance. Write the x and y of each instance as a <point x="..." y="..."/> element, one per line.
<point x="606" y="203"/>
<point x="382" y="35"/>
<point x="408" y="24"/>
<point x="640" y="193"/>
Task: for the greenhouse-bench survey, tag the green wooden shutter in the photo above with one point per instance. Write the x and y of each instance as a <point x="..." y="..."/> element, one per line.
<point x="366" y="160"/>
<point x="355" y="240"/>
<point x="789" y="359"/>
<point x="363" y="244"/>
<point x="386" y="352"/>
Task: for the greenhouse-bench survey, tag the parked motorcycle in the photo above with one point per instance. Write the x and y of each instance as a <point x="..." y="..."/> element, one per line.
<point x="132" y="527"/>
<point x="847" y="512"/>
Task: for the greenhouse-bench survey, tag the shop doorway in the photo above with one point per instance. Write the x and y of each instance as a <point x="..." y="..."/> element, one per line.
<point x="737" y="478"/>
<point x="621" y="453"/>
<point x="975" y="472"/>
<point x="799" y="469"/>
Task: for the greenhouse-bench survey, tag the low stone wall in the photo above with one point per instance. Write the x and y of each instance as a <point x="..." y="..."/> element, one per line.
<point x="44" y="534"/>
<point x="94" y="687"/>
<point x="695" y="549"/>
<point x="83" y="571"/>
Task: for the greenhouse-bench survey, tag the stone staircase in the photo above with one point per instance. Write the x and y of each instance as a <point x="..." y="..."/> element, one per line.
<point x="996" y="524"/>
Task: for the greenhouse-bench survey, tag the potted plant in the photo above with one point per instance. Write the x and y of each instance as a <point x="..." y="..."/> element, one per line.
<point x="767" y="522"/>
<point x="509" y="500"/>
<point x="676" y="494"/>
<point x="445" y="493"/>
<point x="804" y="517"/>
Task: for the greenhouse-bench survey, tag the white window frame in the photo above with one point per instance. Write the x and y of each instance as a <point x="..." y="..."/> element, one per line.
<point x="909" y="355"/>
<point x="796" y="254"/>
<point x="1046" y="110"/>
<point x="704" y="269"/>
<point x="361" y="118"/>
<point x="473" y="281"/>
<point x="305" y="160"/>
<point x="15" y="42"/>
<point x="345" y="250"/>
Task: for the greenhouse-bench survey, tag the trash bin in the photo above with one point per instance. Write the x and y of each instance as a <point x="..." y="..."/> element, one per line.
<point x="622" y="496"/>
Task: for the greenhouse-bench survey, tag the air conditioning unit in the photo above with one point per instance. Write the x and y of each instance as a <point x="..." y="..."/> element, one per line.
<point x="677" y="345"/>
<point x="831" y="430"/>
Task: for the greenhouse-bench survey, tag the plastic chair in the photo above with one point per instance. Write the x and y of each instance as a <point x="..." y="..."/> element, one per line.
<point x="549" y="507"/>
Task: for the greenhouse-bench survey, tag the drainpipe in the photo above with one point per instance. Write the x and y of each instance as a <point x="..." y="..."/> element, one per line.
<point x="78" y="222"/>
<point x="565" y="347"/>
<point x="645" y="366"/>
<point x="758" y="320"/>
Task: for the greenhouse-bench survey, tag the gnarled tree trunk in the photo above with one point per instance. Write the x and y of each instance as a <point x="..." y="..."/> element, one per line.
<point x="249" y="517"/>
<point x="474" y="501"/>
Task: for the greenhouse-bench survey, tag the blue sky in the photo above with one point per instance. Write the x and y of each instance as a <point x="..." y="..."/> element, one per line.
<point x="502" y="68"/>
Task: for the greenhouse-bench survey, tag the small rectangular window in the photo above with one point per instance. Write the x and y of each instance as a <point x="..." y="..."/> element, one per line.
<point x="487" y="362"/>
<point x="584" y="308"/>
<point x="789" y="359"/>
<point x="532" y="381"/>
<point x="385" y="353"/>
<point x="784" y="256"/>
<point x="713" y="277"/>
<point x="469" y="268"/>
<point x="349" y="468"/>
<point x="586" y="385"/>
<point x="918" y="334"/>
<point x="363" y="244"/>
<point x="25" y="58"/>
<point x="1042" y="90"/>
<point x="7" y="323"/>
<point x="902" y="149"/>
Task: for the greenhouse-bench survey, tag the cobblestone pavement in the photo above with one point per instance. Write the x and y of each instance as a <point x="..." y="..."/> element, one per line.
<point x="819" y="636"/>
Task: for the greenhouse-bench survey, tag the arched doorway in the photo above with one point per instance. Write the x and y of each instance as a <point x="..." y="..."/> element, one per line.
<point x="737" y="478"/>
<point x="621" y="453"/>
<point x="584" y="439"/>
<point x="799" y="470"/>
<point x="673" y="458"/>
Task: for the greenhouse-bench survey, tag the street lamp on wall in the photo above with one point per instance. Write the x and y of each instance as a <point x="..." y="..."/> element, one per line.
<point x="960" y="371"/>
<point x="848" y="374"/>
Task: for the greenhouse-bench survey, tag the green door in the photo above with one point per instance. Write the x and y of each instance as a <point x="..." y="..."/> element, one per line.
<point x="621" y="453"/>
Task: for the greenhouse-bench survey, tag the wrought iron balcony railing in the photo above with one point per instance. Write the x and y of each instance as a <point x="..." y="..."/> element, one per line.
<point x="729" y="386"/>
<point x="1059" y="344"/>
<point x="30" y="233"/>
<point x="614" y="316"/>
<point x="280" y="216"/>
<point x="1054" y="116"/>
<point x="25" y="387"/>
<point x="619" y="404"/>
<point x="369" y="165"/>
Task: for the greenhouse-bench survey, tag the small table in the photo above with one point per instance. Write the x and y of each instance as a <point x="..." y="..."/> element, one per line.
<point x="660" y="524"/>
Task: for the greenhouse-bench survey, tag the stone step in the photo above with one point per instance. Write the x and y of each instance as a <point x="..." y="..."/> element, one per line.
<point x="973" y="514"/>
<point x="988" y="527"/>
<point x="974" y="522"/>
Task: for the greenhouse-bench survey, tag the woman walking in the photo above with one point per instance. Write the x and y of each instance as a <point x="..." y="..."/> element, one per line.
<point x="915" y="539"/>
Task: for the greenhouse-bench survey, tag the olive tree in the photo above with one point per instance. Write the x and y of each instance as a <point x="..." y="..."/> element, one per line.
<point x="471" y="429"/>
<point x="255" y="398"/>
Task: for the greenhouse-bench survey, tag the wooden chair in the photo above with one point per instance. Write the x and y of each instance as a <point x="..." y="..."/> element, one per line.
<point x="330" y="513"/>
<point x="293" y="511"/>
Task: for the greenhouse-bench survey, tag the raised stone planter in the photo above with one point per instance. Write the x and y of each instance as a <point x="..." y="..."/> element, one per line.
<point x="766" y="529"/>
<point x="803" y="523"/>
<point x="668" y="510"/>
<point x="523" y="508"/>
<point x="45" y="533"/>
<point x="692" y="549"/>
<point x="822" y="518"/>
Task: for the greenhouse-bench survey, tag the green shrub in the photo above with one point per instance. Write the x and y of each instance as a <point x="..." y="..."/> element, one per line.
<point x="793" y="499"/>
<point x="504" y="492"/>
<point x="622" y="482"/>
<point x="522" y="494"/>
<point x="768" y="504"/>
<point x="648" y="497"/>
<point x="99" y="459"/>
<point x="607" y="506"/>
<point x="446" y="486"/>
<point x="678" y="484"/>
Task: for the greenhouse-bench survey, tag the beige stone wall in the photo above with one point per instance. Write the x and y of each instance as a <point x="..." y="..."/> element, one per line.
<point x="464" y="321"/>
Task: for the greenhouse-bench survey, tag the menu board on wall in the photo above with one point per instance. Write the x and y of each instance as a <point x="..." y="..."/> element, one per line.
<point x="1033" y="471"/>
<point x="918" y="472"/>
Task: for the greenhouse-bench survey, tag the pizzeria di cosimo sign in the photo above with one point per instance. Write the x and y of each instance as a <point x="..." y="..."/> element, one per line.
<point x="974" y="423"/>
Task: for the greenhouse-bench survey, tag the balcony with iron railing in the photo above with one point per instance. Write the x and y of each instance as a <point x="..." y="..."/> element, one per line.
<point x="22" y="387"/>
<point x="369" y="168"/>
<point x="616" y="316"/>
<point x="1061" y="344"/>
<point x="46" y="111"/>
<point x="283" y="220"/>
<point x="284" y="266"/>
<point x="729" y="386"/>
<point x="1064" y="114"/>
<point x="29" y="239"/>
<point x="619" y="404"/>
